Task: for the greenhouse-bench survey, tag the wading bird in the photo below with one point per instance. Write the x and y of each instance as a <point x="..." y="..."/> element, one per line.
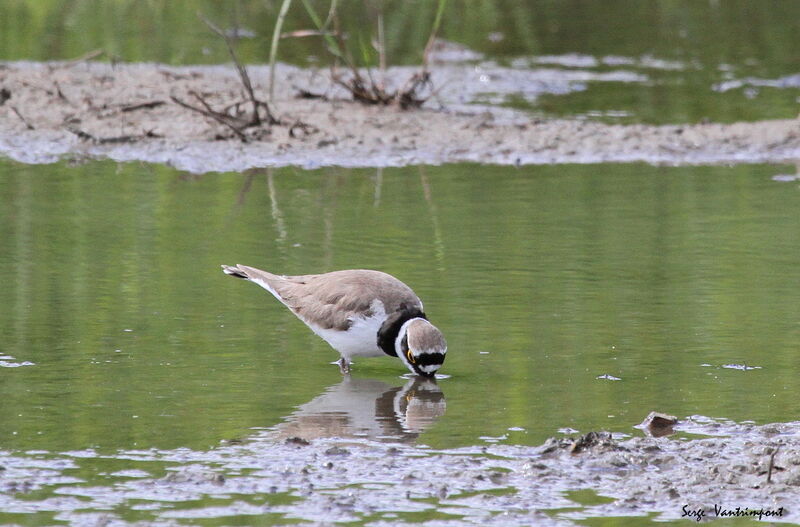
<point x="360" y="313"/>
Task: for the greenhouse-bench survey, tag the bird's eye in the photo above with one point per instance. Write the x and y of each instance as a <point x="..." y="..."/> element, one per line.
<point x="410" y="357"/>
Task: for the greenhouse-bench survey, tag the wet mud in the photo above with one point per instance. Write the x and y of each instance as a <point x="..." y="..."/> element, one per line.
<point x="707" y="464"/>
<point x="126" y="112"/>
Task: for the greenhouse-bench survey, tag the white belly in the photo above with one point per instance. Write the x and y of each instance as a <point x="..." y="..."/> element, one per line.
<point x="360" y="340"/>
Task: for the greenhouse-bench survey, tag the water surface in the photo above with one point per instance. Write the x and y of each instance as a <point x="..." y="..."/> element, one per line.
<point x="575" y="297"/>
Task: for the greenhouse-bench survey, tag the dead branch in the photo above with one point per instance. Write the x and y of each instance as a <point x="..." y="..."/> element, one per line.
<point x="86" y="136"/>
<point x="232" y="121"/>
<point x="771" y="465"/>
<point x="409" y="95"/>
<point x="142" y="106"/>
<point x="302" y="93"/>
<point x="60" y="93"/>
<point x="362" y="90"/>
<point x="367" y="91"/>
<point x="81" y="134"/>
<point x="35" y="86"/>
<point x="243" y="76"/>
<point x="305" y="128"/>
<point x="208" y="112"/>
<point x="28" y="125"/>
<point x="237" y="123"/>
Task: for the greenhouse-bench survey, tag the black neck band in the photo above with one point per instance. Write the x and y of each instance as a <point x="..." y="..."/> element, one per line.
<point x="391" y="328"/>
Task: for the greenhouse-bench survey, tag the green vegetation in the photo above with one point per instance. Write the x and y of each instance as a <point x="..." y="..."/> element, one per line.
<point x="714" y="40"/>
<point x="273" y="49"/>
<point x="359" y="79"/>
<point x="164" y="31"/>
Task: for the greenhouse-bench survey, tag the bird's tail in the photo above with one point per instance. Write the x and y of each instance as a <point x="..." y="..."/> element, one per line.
<point x="268" y="281"/>
<point x="234" y="270"/>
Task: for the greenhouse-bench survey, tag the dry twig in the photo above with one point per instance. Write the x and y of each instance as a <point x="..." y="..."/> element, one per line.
<point x="237" y="123"/>
<point x="303" y="93"/>
<point x="86" y="136"/>
<point x="243" y="76"/>
<point x="28" y="125"/>
<point x="142" y="106"/>
<point x="771" y="465"/>
<point x="208" y="112"/>
<point x="305" y="128"/>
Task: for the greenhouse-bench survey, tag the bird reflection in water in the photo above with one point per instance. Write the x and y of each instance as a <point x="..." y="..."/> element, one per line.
<point x="368" y="409"/>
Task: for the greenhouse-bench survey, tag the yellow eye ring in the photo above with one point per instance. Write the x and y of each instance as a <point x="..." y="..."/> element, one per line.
<point x="410" y="357"/>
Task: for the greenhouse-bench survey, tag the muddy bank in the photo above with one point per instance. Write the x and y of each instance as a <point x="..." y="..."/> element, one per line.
<point x="124" y="112"/>
<point x="328" y="480"/>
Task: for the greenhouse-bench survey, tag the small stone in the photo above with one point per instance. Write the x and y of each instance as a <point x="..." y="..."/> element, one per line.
<point x="498" y="478"/>
<point x="657" y="424"/>
<point x="592" y="439"/>
<point x="534" y="466"/>
<point x="337" y="451"/>
<point x="618" y="461"/>
<point x="672" y="493"/>
<point x="662" y="460"/>
<point x="770" y="430"/>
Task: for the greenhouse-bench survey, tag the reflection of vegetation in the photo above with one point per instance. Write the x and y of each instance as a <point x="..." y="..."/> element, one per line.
<point x="674" y="98"/>
<point x="560" y="273"/>
<point x="750" y="41"/>
<point x="710" y="33"/>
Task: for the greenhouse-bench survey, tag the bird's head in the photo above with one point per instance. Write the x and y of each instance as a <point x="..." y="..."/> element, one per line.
<point x="421" y="346"/>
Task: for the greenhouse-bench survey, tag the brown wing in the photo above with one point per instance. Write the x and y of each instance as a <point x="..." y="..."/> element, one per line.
<point x="331" y="300"/>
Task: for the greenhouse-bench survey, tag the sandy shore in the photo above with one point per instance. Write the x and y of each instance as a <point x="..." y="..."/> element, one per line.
<point x="124" y="112"/>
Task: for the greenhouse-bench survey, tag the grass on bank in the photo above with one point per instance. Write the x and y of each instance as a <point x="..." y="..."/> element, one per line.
<point x="355" y="56"/>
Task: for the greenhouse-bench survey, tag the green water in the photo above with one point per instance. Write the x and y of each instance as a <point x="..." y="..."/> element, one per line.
<point x="724" y="31"/>
<point x="711" y="42"/>
<point x="542" y="279"/>
<point x="572" y="297"/>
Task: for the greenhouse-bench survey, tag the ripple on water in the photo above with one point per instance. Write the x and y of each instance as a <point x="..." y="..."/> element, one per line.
<point x="7" y="361"/>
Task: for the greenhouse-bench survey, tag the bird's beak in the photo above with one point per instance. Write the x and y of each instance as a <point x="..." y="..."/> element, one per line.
<point x="431" y="375"/>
